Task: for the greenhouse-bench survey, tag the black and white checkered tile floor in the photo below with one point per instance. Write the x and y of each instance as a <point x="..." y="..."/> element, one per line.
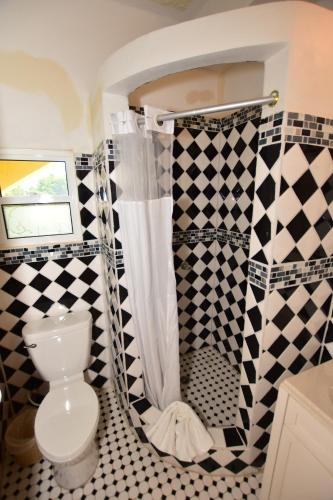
<point x="210" y="385"/>
<point x="126" y="470"/>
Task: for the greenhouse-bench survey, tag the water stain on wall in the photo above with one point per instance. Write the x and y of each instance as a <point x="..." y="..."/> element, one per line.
<point x="27" y="73"/>
<point x="199" y="96"/>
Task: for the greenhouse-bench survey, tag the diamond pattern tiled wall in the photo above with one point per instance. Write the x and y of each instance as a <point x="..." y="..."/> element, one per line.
<point x="39" y="282"/>
<point x="239" y="146"/>
<point x="126" y="362"/>
<point x="213" y="187"/>
<point x="264" y="209"/>
<point x="269" y="301"/>
<point x="229" y="306"/>
<point x="305" y="206"/>
<point x="292" y="341"/>
<point x="195" y="290"/>
<point x="195" y="178"/>
<point x="35" y="290"/>
<point x="292" y="223"/>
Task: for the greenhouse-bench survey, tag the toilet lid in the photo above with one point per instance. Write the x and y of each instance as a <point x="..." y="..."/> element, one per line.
<point x="66" y="421"/>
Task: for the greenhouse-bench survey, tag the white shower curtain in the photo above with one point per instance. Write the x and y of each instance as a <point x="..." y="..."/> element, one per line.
<point x="143" y="177"/>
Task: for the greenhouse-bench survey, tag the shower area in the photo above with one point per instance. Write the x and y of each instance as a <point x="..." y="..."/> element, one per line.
<point x="239" y="243"/>
<point x="213" y="174"/>
<point x="213" y="186"/>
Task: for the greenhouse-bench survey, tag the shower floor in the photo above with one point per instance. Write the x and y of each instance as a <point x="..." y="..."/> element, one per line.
<point x="210" y="385"/>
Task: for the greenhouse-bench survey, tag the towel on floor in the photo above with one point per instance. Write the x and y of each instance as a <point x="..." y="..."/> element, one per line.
<point x="180" y="432"/>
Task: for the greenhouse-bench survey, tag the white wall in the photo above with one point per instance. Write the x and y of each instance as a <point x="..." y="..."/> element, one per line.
<point x="49" y="55"/>
<point x="292" y="38"/>
<point x="179" y="91"/>
<point x="202" y="87"/>
<point x="243" y="81"/>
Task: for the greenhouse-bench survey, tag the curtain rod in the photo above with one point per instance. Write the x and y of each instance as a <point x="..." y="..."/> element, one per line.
<point x="271" y="100"/>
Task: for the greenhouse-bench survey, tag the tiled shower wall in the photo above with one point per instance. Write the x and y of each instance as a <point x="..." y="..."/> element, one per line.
<point x="126" y="364"/>
<point x="213" y="174"/>
<point x="51" y="279"/>
<point x="283" y="298"/>
<point x="195" y="170"/>
<point x="289" y="299"/>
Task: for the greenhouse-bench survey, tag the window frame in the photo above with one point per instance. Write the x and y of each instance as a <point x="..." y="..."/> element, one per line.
<point x="72" y="198"/>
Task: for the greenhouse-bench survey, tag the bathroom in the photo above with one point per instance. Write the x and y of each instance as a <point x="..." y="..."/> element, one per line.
<point x="239" y="227"/>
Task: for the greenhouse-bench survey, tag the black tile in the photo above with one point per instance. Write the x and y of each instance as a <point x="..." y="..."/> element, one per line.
<point x="232" y="437"/>
<point x="13" y="287"/>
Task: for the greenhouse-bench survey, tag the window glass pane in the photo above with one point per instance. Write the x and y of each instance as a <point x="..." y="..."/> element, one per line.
<point x="26" y="178"/>
<point x="24" y="221"/>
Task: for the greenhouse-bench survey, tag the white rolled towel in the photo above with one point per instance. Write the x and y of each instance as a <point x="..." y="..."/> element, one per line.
<point x="180" y="432"/>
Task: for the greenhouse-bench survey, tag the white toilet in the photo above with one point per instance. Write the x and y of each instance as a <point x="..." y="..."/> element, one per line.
<point x="66" y="421"/>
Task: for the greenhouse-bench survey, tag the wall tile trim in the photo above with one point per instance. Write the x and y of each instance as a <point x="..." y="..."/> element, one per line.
<point x="197" y="235"/>
<point x="49" y="252"/>
<point x="289" y="274"/>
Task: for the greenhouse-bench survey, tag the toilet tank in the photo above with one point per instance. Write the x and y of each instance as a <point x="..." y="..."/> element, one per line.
<point x="59" y="346"/>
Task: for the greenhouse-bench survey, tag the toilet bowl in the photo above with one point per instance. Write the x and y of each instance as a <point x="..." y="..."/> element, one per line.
<point x="67" y="419"/>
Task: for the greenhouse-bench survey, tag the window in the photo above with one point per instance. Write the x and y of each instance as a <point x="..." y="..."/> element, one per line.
<point x="38" y="198"/>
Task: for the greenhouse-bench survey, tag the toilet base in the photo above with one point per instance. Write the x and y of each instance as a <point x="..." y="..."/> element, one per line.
<point x="71" y="475"/>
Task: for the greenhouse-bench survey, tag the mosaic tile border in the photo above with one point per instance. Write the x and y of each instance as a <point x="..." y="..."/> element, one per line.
<point x="84" y="162"/>
<point x="113" y="150"/>
<point x="291" y="274"/>
<point x="193" y="236"/>
<point x="239" y="117"/>
<point x="114" y="257"/>
<point x="258" y="274"/>
<point x="309" y="129"/>
<point x="300" y="272"/>
<point x="214" y="124"/>
<point x="298" y="127"/>
<point x="200" y="123"/>
<point x="197" y="235"/>
<point x="233" y="237"/>
<point x="49" y="252"/>
<point x="271" y="129"/>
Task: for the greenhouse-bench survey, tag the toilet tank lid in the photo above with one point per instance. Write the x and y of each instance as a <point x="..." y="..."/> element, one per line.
<point x="35" y="330"/>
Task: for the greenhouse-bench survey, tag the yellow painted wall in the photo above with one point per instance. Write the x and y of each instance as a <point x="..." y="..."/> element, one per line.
<point x="50" y="53"/>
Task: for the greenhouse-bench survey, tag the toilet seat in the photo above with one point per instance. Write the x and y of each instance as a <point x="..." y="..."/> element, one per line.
<point x="66" y="421"/>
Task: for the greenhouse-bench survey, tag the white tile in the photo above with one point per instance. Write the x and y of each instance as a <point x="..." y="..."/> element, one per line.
<point x="148" y="477"/>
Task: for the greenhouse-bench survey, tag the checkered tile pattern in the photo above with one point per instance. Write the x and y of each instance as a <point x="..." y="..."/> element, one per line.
<point x="103" y="191"/>
<point x="35" y="290"/>
<point x="114" y="319"/>
<point x="87" y="203"/>
<point x="295" y="331"/>
<point x="239" y="147"/>
<point x="227" y="204"/>
<point x="305" y="205"/>
<point x="194" y="211"/>
<point x="195" y="291"/>
<point x="254" y="321"/>
<point x="296" y="325"/>
<point x="195" y="178"/>
<point x="229" y="454"/>
<point x="6" y="409"/>
<point x="229" y="306"/>
<point x="50" y="286"/>
<point x="264" y="209"/>
<point x="125" y="355"/>
<point x="210" y="385"/>
<point x="132" y="361"/>
<point x="327" y="347"/>
<point x="127" y="470"/>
